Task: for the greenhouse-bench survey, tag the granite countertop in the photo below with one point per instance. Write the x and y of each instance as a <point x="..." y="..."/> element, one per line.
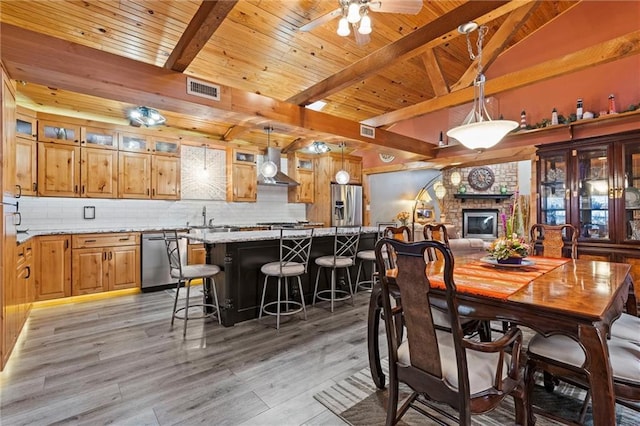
<point x="196" y="234"/>
<point x="242" y="236"/>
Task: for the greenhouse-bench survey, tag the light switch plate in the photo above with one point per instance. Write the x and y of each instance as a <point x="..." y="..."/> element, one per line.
<point x="89" y="212"/>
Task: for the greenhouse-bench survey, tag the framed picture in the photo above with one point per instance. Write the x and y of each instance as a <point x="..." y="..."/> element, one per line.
<point x="424" y="215"/>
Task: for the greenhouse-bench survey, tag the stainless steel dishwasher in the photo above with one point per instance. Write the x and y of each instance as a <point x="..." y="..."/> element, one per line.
<point x="155" y="263"/>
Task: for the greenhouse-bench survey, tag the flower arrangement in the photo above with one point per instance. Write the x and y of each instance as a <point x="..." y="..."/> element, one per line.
<point x="506" y="248"/>
<point x="403" y="217"/>
<point x="511" y="248"/>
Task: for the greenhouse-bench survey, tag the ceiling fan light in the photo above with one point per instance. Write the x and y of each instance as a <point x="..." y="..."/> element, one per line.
<point x="343" y="27"/>
<point x="365" y="25"/>
<point x="353" y="13"/>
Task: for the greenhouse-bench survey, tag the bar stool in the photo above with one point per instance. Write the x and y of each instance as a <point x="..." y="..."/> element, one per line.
<point x="295" y="248"/>
<point x="185" y="274"/>
<point x="370" y="256"/>
<point x="345" y="247"/>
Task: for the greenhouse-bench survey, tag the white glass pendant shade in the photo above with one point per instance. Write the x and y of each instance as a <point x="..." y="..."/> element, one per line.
<point x="342" y="177"/>
<point x="440" y="190"/>
<point x="455" y="179"/>
<point x="353" y="13"/>
<point x="483" y="134"/>
<point x="268" y="169"/>
<point x="343" y="27"/>
<point x="365" y="25"/>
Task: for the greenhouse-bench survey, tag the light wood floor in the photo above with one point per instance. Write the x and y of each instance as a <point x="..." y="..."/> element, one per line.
<point x="117" y="361"/>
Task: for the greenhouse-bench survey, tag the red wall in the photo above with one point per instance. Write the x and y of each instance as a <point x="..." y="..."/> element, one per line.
<point x="588" y="23"/>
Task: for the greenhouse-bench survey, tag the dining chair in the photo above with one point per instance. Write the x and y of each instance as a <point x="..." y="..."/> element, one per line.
<point x="400" y="233"/>
<point x="435" y="232"/>
<point x="554" y="240"/>
<point x="369" y="256"/>
<point x="185" y="274"/>
<point x="345" y="248"/>
<point x="439" y="366"/>
<point x="564" y="358"/>
<point x="295" y="248"/>
<point x="438" y="232"/>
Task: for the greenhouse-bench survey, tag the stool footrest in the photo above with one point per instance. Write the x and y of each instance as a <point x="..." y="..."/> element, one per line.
<point x="283" y="312"/>
<point x="346" y="295"/>
<point x="213" y="314"/>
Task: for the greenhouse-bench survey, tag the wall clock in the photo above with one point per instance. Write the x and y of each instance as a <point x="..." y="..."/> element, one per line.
<point x="481" y="178"/>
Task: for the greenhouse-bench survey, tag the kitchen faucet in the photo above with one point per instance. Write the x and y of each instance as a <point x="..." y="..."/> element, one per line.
<point x="204" y="215"/>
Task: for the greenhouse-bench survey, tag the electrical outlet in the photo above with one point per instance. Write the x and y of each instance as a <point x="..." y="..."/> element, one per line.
<point x="89" y="212"/>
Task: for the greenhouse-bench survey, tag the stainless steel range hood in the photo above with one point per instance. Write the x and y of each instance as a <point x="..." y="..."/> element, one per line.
<point x="280" y="178"/>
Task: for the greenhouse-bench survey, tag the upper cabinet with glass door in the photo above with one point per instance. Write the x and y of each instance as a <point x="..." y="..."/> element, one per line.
<point x="631" y="182"/>
<point x="96" y="137"/>
<point x="57" y="132"/>
<point x="554" y="192"/>
<point x="593" y="184"/>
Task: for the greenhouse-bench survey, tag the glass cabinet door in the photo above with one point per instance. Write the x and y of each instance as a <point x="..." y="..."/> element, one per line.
<point x="632" y="192"/>
<point x="553" y="189"/>
<point x="593" y="193"/>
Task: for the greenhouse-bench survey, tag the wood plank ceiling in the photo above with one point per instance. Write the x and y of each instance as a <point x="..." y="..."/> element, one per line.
<point x="256" y="46"/>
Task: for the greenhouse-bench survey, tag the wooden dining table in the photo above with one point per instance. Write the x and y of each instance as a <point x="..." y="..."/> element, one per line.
<point x="578" y="298"/>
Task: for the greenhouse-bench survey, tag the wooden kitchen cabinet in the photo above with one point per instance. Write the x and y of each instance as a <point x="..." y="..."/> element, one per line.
<point x="134" y="175"/>
<point x="146" y="176"/>
<point x="196" y="254"/>
<point x="300" y="168"/>
<point x="58" y="132"/>
<point x="52" y="267"/>
<point x="99" y="173"/>
<point x="165" y="146"/>
<point x="58" y="170"/>
<point x="133" y="142"/>
<point x="352" y="164"/>
<point x="26" y="166"/>
<point x="242" y="176"/>
<point x="105" y="262"/>
<point x="26" y="125"/>
<point x="165" y="177"/>
<point x="96" y="137"/>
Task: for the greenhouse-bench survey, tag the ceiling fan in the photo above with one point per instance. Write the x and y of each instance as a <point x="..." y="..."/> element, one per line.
<point x="355" y="14"/>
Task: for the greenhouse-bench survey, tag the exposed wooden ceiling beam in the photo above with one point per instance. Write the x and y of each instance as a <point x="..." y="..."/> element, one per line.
<point x="202" y="26"/>
<point x="41" y="59"/>
<point x="434" y="72"/>
<point x="234" y="132"/>
<point x="398" y="50"/>
<point x="296" y="144"/>
<point x="497" y="44"/>
<point x="611" y="50"/>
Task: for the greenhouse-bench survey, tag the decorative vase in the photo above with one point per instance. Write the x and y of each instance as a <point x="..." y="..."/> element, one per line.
<point x="511" y="261"/>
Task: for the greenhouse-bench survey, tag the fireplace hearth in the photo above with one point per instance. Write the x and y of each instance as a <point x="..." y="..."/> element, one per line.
<point x="480" y="223"/>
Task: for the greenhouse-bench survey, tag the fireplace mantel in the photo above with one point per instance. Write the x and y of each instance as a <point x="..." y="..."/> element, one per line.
<point x="497" y="197"/>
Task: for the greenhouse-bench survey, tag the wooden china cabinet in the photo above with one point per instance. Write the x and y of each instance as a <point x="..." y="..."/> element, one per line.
<point x="594" y="185"/>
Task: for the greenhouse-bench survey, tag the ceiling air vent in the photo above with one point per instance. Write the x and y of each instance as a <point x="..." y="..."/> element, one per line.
<point x="203" y="89"/>
<point x="367" y="132"/>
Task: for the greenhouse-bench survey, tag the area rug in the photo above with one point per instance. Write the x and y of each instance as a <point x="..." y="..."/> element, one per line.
<point x="357" y="401"/>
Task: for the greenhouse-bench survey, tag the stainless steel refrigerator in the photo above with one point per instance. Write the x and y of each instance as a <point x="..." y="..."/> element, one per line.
<point x="346" y="205"/>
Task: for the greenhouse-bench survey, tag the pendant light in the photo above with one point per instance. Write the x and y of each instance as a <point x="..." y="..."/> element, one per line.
<point x="268" y="168"/>
<point x="479" y="131"/>
<point x="342" y="177"/>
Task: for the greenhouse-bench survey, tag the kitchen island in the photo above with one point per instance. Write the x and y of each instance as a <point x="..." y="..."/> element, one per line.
<point x="241" y="254"/>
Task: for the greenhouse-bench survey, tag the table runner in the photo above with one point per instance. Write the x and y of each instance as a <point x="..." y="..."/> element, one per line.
<point x="484" y="279"/>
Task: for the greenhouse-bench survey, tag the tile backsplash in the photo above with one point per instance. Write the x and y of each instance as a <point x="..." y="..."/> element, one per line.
<point x="53" y="213"/>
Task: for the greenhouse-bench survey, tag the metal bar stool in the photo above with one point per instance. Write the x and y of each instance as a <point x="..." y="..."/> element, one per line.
<point x="295" y="248"/>
<point x="370" y="256"/>
<point x="185" y="274"/>
<point x="345" y="247"/>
